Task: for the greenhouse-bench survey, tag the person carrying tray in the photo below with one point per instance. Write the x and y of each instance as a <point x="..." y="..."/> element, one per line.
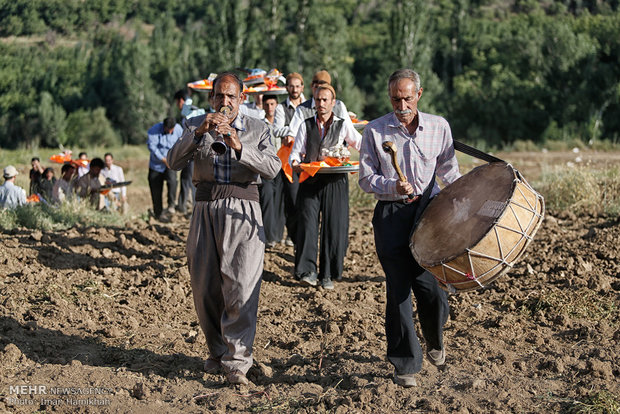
<point x="324" y="194"/>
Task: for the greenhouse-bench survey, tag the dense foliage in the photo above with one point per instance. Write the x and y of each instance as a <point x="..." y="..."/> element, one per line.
<point x="76" y="72"/>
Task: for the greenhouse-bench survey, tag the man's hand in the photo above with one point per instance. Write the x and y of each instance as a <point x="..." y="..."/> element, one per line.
<point x="288" y="140"/>
<point x="230" y="136"/>
<point x="211" y="121"/>
<point x="296" y="167"/>
<point x="404" y="188"/>
<point x="165" y="161"/>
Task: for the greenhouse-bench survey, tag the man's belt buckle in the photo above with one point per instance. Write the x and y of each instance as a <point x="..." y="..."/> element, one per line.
<point x="411" y="200"/>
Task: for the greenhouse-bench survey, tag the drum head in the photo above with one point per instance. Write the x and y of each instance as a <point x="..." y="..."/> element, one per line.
<point x="462" y="213"/>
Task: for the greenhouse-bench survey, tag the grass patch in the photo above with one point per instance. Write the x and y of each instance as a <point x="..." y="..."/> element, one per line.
<point x="602" y="402"/>
<point x="41" y="216"/>
<point x="583" y="304"/>
<point x="581" y="190"/>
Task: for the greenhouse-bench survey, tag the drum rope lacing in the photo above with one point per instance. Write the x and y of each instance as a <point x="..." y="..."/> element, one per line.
<point x="524" y="231"/>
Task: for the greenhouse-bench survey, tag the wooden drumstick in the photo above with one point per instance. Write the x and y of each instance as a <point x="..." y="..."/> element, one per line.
<point x="389" y="147"/>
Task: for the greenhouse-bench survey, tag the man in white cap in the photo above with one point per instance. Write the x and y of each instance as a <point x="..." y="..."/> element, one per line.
<point x="11" y="195"/>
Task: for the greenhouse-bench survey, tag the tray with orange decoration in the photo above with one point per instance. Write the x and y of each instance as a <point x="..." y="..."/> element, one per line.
<point x="203" y="85"/>
<point x="264" y="89"/>
<point x="330" y="165"/>
<point x="359" y="123"/>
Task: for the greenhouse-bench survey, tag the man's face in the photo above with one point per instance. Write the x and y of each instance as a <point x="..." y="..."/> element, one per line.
<point x="324" y="102"/>
<point x="227" y="93"/>
<point x="269" y="106"/>
<point x="180" y="103"/>
<point x="68" y="173"/>
<point x="404" y="100"/>
<point x="108" y="161"/>
<point x="34" y="163"/>
<point x="94" y="171"/>
<point x="295" y="87"/>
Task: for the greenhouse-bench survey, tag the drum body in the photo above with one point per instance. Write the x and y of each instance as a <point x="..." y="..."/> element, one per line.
<point x="477" y="227"/>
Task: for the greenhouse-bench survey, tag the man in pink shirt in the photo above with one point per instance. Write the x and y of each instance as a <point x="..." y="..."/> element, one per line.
<point x="425" y="148"/>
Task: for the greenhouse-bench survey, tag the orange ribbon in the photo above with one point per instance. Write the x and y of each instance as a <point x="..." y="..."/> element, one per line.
<point x="34" y="198"/>
<point x="283" y="153"/>
<point x="310" y="169"/>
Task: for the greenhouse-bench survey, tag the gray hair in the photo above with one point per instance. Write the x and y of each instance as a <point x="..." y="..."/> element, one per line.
<point x="405" y="74"/>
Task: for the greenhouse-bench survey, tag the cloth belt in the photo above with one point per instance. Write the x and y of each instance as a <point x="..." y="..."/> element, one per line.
<point x="208" y="191"/>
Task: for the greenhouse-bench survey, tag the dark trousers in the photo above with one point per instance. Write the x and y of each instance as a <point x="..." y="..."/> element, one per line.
<point x="156" y="184"/>
<point x="272" y="207"/>
<point x="289" y="195"/>
<point x="392" y="222"/>
<point x="327" y="195"/>
<point x="187" y="187"/>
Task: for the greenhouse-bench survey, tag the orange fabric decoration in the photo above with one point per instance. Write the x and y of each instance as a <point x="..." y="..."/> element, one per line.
<point x="283" y="153"/>
<point x="33" y="199"/>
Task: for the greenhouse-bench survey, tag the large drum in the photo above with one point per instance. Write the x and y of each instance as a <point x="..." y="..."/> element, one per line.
<point x="477" y="227"/>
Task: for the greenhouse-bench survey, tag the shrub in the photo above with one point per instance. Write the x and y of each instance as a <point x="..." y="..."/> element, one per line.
<point x="42" y="216"/>
<point x="582" y="190"/>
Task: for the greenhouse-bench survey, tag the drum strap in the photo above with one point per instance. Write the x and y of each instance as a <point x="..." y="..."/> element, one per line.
<point x="423" y="202"/>
<point x="476" y="153"/>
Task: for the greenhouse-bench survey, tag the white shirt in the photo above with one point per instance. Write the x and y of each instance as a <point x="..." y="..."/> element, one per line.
<point x="340" y="110"/>
<point x="115" y="175"/>
<point x="250" y="109"/>
<point x="11" y="195"/>
<point x="279" y="121"/>
<point x="348" y="133"/>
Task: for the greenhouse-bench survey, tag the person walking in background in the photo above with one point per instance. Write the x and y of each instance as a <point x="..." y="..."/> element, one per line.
<point x="225" y="244"/>
<point x="36" y="172"/>
<point x="326" y="195"/>
<point x="11" y="195"/>
<point x="62" y="188"/>
<point x="184" y="102"/>
<point x="282" y="118"/>
<point x="270" y="191"/>
<point x="112" y="173"/>
<point x="425" y="142"/>
<point x="161" y="137"/>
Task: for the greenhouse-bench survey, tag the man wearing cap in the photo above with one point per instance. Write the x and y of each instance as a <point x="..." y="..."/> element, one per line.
<point x="225" y="244"/>
<point x="326" y="195"/>
<point x="307" y="108"/>
<point x="284" y="114"/>
<point x="425" y="144"/>
<point x="11" y="195"/>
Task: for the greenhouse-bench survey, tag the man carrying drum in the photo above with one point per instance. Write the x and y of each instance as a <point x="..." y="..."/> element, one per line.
<point x="425" y="144"/>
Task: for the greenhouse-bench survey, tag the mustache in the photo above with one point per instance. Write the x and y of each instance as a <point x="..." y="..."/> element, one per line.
<point x="403" y="112"/>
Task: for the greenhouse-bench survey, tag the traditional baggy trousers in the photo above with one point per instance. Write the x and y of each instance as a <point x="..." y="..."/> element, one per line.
<point x="327" y="194"/>
<point x="392" y="222"/>
<point x="226" y="282"/>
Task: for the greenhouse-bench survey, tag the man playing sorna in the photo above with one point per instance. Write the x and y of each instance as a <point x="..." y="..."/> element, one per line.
<point x="225" y="244"/>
